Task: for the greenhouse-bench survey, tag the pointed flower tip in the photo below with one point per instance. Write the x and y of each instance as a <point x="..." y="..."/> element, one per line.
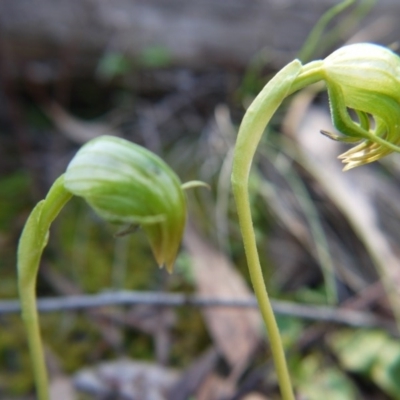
<point x="162" y="263"/>
<point x="125" y="183"/>
<point x="170" y="268"/>
<point x="348" y="167"/>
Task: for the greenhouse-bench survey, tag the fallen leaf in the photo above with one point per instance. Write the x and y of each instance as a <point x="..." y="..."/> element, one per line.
<point x="235" y="331"/>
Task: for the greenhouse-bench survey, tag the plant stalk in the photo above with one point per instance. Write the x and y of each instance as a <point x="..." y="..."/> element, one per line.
<point x="30" y="317"/>
<point x="33" y="240"/>
<point x="257" y="280"/>
<point x="291" y="78"/>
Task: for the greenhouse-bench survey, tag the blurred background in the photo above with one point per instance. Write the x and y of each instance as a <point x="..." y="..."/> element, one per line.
<point x="176" y="77"/>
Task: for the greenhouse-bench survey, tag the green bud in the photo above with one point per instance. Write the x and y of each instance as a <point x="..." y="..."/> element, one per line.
<point x="128" y="184"/>
<point x="365" y="78"/>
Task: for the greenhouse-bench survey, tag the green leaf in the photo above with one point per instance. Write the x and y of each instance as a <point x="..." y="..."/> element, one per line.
<point x="371" y="353"/>
<point x="155" y="57"/>
<point x="317" y="381"/>
<point x="357" y="351"/>
<point x="112" y="65"/>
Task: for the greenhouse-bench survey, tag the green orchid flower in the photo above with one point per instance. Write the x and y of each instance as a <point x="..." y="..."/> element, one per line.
<point x="363" y="79"/>
<point x="124" y="183"/>
<point x="127" y="184"/>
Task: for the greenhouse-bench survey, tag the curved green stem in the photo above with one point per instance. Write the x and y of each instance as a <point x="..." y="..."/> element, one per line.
<point x="33" y="240"/>
<point x="291" y="78"/>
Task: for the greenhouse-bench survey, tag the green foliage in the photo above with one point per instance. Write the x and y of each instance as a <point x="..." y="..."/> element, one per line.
<point x="155" y="57"/>
<point x="112" y="65"/>
<point x="14" y="201"/>
<point x="116" y="64"/>
<point x="190" y="336"/>
<point x="15" y="367"/>
<point x="79" y="332"/>
<point x="183" y="267"/>
<point x="14" y="197"/>
<point x="315" y="380"/>
<point x="290" y="329"/>
<point x="372" y="354"/>
<point x="311" y="296"/>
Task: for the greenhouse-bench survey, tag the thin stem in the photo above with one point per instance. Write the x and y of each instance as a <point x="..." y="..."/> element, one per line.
<point x="246" y="226"/>
<point x="315" y="36"/>
<point x="33" y="240"/>
<point x="291" y="78"/>
<point x="30" y="317"/>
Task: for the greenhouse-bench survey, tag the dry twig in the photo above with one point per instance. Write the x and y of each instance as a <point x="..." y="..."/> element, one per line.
<point x="124" y="298"/>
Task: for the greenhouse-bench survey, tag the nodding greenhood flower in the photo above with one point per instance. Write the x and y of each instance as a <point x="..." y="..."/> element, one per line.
<point x="128" y="184"/>
<point x="124" y="183"/>
<point x="361" y="77"/>
<point x="365" y="78"/>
